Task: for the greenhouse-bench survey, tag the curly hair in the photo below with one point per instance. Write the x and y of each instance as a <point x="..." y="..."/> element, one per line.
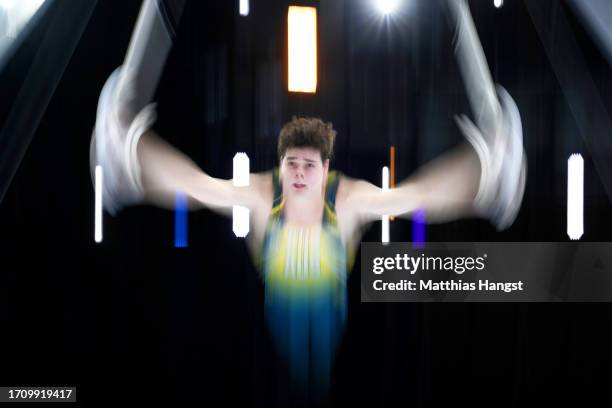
<point x="307" y="132"/>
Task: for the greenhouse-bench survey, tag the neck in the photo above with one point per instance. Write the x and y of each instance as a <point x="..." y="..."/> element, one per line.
<point x="304" y="212"/>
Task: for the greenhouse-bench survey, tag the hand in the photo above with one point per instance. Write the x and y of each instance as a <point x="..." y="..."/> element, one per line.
<point x="114" y="141"/>
<point x="503" y="163"/>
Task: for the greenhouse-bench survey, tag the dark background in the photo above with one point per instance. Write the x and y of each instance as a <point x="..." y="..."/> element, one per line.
<point x="137" y="319"/>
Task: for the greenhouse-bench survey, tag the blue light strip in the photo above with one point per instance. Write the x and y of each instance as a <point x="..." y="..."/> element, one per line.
<point x="418" y="229"/>
<point x="180" y="221"/>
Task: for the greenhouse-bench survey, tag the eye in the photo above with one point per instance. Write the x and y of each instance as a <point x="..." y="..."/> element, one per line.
<point x="310" y="165"/>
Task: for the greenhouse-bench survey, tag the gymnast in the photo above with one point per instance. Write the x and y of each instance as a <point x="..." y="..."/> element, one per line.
<point x="307" y="219"/>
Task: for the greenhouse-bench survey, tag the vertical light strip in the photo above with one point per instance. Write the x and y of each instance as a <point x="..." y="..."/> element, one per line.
<point x="392" y="171"/>
<point x="302" y="49"/>
<point x="392" y="167"/>
<point x="418" y="229"/>
<point x="240" y="214"/>
<point x="244" y="7"/>
<point x="180" y="221"/>
<point x="98" y="205"/>
<point x="575" y="196"/>
<point x="385" y="218"/>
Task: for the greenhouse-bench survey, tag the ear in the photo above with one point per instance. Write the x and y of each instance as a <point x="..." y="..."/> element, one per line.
<point x="326" y="167"/>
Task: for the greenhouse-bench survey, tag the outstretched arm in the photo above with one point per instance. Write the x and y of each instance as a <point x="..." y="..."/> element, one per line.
<point x="137" y="164"/>
<point x="165" y="171"/>
<point x="485" y="179"/>
<point x="445" y="188"/>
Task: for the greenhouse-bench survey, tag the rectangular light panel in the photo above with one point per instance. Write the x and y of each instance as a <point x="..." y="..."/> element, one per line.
<point x="302" y="49"/>
<point x="180" y="220"/>
<point x="575" y="196"/>
<point x="98" y="205"/>
<point x="244" y="7"/>
<point x="385" y="218"/>
<point x="240" y="214"/>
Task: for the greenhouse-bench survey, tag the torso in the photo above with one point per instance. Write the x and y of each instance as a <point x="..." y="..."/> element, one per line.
<point x="304" y="266"/>
<point x="347" y="219"/>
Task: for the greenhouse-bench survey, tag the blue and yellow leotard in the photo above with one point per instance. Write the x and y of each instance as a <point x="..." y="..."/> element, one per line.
<point x="305" y="270"/>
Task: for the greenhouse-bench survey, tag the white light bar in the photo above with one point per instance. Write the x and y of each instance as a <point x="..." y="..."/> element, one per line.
<point x="385" y="218"/>
<point x="240" y="214"/>
<point x="302" y="49"/>
<point x="98" y="205"/>
<point x="244" y="7"/>
<point x="575" y="196"/>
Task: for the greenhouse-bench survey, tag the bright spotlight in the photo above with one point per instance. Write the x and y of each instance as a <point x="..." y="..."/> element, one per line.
<point x="387" y="6"/>
<point x="498" y="3"/>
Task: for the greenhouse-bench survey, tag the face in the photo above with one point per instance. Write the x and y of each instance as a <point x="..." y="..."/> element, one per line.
<point x="302" y="172"/>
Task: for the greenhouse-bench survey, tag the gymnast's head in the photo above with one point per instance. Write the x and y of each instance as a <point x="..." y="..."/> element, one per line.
<point x="305" y="148"/>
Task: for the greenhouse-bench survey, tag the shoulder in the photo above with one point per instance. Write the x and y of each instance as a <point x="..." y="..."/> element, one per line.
<point x="262" y="188"/>
<point x="345" y="184"/>
<point x="352" y="193"/>
<point x="262" y="184"/>
<point x="261" y="179"/>
<point x="350" y="187"/>
<point x="352" y="202"/>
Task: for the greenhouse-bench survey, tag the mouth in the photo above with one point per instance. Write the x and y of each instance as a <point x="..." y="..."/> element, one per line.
<point x="299" y="186"/>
